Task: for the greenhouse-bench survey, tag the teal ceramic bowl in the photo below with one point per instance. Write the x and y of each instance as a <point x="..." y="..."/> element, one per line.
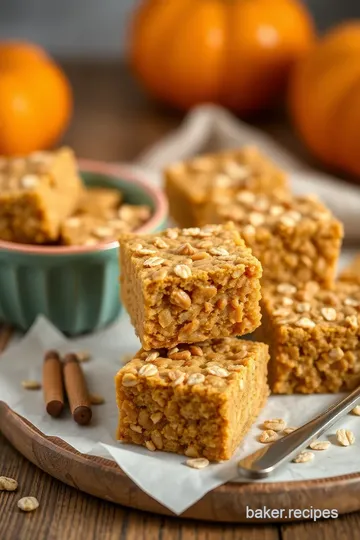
<point x="76" y="288"/>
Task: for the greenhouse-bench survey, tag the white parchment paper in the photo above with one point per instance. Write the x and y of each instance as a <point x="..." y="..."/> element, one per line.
<point x="161" y="475"/>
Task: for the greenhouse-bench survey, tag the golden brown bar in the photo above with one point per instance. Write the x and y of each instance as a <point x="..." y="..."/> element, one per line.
<point x="192" y="185"/>
<point x="37" y="192"/>
<point x="296" y="239"/>
<point x="313" y="335"/>
<point x="189" y="285"/>
<point x="197" y="400"/>
<point x="100" y="202"/>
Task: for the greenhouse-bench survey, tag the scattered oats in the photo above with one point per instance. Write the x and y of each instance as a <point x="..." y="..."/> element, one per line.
<point x="351" y="302"/>
<point x="200" y="256"/>
<point x="154" y="261"/>
<point x="289" y="430"/>
<point x="136" y="428"/>
<point x="172" y="234"/>
<point x="275" y="424"/>
<point x="160" y="243"/>
<point x="304" y="457"/>
<point x="345" y="437"/>
<point x="256" y="218"/>
<point x="156" y="417"/>
<point x="319" y="445"/>
<point x="152" y="356"/>
<point x="218" y="371"/>
<point x="356" y="410"/>
<point x="328" y="313"/>
<point x="29" y="181"/>
<point x="286" y="301"/>
<point x="8" y="484"/>
<point x="136" y="247"/>
<point x="197" y="463"/>
<point x="150" y="446"/>
<point x="249" y="229"/>
<point x="31" y="385"/>
<point x="28" y="504"/>
<point x="83" y="356"/>
<point x="336" y="354"/>
<point x="182" y="270"/>
<point x="96" y="399"/>
<point x="352" y="321"/>
<point x="302" y="307"/>
<point x="195" y="378"/>
<point x="276" y="210"/>
<point x="223" y="181"/>
<point x="219" y="251"/>
<point x="268" y="436"/>
<point x="286" y="288"/>
<point x="305" y="322"/>
<point x="148" y="370"/>
<point x="129" y="380"/>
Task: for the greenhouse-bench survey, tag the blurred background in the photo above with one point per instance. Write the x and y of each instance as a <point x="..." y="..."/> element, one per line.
<point x="125" y="103"/>
<point x="97" y="28"/>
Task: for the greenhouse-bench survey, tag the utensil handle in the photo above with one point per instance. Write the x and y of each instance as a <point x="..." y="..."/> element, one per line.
<point x="264" y="462"/>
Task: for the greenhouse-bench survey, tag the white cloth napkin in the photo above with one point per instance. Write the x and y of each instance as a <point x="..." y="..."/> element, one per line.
<point x="209" y="127"/>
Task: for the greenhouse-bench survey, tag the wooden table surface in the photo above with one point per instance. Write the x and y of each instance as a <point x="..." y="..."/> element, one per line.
<point x="114" y="121"/>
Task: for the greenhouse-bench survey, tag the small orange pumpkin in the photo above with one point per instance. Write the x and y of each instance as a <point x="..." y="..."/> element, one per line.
<point x="324" y="98"/>
<point x="237" y="53"/>
<point x="35" y="99"/>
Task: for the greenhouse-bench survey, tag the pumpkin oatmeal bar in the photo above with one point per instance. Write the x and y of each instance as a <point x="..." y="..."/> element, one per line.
<point x="191" y="185"/>
<point x="87" y="229"/>
<point x="100" y="202"/>
<point x="351" y="274"/>
<point x="189" y="285"/>
<point x="37" y="192"/>
<point x="297" y="239"/>
<point x="313" y="335"/>
<point x="197" y="400"/>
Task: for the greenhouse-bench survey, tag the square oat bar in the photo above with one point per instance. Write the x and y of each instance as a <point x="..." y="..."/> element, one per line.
<point x="37" y="193"/>
<point x="313" y="335"/>
<point x="189" y="285"/>
<point x="192" y="185"/>
<point x="296" y="239"/>
<point x="198" y="400"/>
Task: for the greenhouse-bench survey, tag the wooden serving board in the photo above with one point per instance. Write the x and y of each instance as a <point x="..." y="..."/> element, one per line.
<point x="104" y="479"/>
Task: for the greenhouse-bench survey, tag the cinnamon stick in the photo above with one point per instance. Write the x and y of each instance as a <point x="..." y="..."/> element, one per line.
<point x="76" y="389"/>
<point x="53" y="385"/>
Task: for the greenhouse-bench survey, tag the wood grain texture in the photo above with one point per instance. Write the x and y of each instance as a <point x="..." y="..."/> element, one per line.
<point x="103" y="478"/>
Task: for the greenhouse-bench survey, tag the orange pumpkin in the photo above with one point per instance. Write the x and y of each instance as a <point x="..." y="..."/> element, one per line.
<point x="324" y="98"/>
<point x="35" y="99"/>
<point x="236" y="53"/>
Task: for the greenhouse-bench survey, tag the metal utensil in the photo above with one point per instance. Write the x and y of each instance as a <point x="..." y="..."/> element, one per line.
<point x="265" y="461"/>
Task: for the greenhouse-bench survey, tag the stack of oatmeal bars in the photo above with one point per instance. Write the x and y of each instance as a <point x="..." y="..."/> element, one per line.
<point x="194" y="388"/>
